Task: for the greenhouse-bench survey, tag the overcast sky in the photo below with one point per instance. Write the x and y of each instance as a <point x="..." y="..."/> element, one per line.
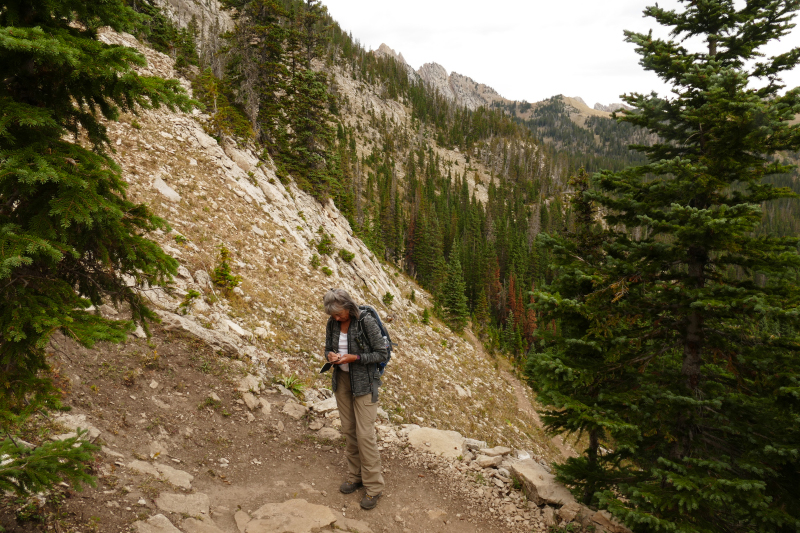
<point x="524" y="49"/>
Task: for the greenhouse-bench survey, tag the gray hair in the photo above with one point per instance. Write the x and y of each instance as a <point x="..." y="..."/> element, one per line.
<point x="338" y="300"/>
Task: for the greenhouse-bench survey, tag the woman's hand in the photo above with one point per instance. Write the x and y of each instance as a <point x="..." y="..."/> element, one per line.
<point x="333" y="357"/>
<point x="347" y="358"/>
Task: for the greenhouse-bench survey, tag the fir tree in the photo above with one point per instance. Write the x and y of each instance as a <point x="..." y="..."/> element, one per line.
<point x="454" y="299"/>
<point x="566" y="368"/>
<point x="68" y="235"/>
<point x="703" y="416"/>
<point x="257" y="64"/>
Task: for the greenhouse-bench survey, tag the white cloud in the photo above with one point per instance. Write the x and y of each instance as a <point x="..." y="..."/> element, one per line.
<point x="527" y="50"/>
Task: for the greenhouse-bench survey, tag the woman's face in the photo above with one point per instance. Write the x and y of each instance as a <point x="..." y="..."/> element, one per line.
<point x="341" y="316"/>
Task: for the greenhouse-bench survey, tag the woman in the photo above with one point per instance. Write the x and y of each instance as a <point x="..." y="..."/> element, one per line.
<point x="354" y="345"/>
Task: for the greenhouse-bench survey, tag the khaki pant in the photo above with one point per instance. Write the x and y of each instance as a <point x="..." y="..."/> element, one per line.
<point x="358" y="425"/>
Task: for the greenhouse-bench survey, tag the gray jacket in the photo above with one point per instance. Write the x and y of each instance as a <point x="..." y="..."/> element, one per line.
<point x="363" y="338"/>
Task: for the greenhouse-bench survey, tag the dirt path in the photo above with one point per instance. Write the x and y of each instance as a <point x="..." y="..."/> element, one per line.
<point x="524" y="404"/>
<point x="174" y="402"/>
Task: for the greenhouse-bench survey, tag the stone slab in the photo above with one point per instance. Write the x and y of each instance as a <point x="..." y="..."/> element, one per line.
<point x="292" y="516"/>
<point x="242" y="519"/>
<point x="325" y="405"/>
<point x="352" y="525"/>
<point x="144" y="467"/>
<point x="475" y="445"/>
<point x="539" y="485"/>
<point x="192" y="525"/>
<point x="484" y="461"/>
<point x="179" y="478"/>
<point x="190" y="504"/>
<point x="497" y="451"/>
<point x="295" y="410"/>
<point x="155" y="524"/>
<point x="448" y="444"/>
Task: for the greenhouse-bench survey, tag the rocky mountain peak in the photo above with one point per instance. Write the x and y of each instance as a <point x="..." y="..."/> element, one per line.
<point x="384" y="49"/>
<point x="610" y="108"/>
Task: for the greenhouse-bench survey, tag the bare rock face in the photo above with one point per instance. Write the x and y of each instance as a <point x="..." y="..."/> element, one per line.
<point x="610" y="108"/>
<point x="435" y="76"/>
<point x="384" y="50"/>
<point x="539" y="485"/>
<point x="462" y="90"/>
<point x="210" y="18"/>
<point x="448" y="444"/>
<point x="292" y="516"/>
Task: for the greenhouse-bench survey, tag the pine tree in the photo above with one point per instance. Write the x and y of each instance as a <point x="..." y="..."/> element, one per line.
<point x="68" y="235"/>
<point x="704" y="413"/>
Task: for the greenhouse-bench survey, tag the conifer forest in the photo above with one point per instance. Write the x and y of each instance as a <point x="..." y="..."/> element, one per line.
<point x="641" y="272"/>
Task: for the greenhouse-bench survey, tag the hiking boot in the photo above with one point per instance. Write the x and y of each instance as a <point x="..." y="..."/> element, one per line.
<point x="369" y="502"/>
<point x="349" y="488"/>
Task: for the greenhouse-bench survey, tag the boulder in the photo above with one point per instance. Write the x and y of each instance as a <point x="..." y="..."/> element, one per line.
<point x="329" y="433"/>
<point x="604" y="520"/>
<point x="250" y="400"/>
<point x="190" y="504"/>
<point x="448" y="444"/>
<point x="249" y="383"/>
<point x="539" y="485"/>
<point x="202" y="278"/>
<point x="144" y="468"/>
<point x="497" y="451"/>
<point x="170" y="193"/>
<point x="474" y="445"/>
<point x="295" y="410"/>
<point x="155" y="524"/>
<point x="352" y="525"/>
<point x="215" y="339"/>
<point x="292" y="516"/>
<point x="325" y="405"/>
<point x="76" y="422"/>
<point x="484" y="461"/>
<point x="179" y="478"/>
<point x="549" y="516"/>
<point x="242" y="519"/>
<point x="569" y="511"/>
<point x="184" y="273"/>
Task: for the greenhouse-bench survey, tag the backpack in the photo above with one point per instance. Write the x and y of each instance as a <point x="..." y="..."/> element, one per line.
<point x="368" y="310"/>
